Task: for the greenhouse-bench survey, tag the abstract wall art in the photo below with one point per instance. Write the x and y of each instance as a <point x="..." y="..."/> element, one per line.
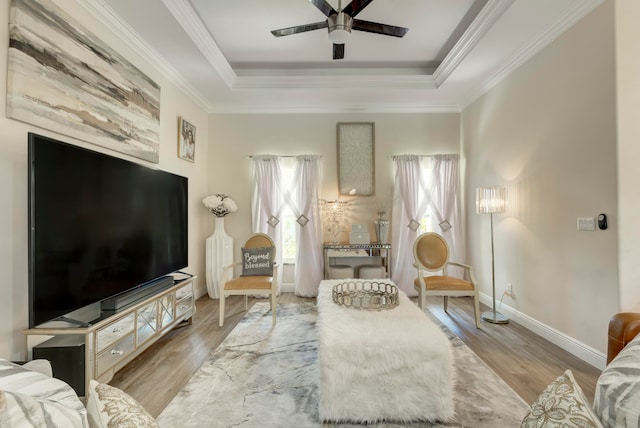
<point x="356" y="166"/>
<point x="62" y="78"/>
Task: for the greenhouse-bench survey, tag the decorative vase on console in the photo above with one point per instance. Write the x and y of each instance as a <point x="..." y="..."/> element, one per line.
<point x="382" y="228"/>
<point x="219" y="251"/>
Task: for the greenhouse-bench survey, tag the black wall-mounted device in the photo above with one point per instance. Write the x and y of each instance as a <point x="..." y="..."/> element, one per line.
<point x="602" y="222"/>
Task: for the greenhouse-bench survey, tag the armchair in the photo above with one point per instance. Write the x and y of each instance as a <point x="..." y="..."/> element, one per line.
<point x="253" y="281"/>
<point x="431" y="254"/>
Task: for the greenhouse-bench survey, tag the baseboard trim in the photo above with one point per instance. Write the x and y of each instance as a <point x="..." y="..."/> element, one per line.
<point x="287" y="287"/>
<point x="584" y="352"/>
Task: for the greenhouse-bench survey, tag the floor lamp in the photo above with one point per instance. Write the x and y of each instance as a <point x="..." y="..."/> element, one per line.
<point x="490" y="200"/>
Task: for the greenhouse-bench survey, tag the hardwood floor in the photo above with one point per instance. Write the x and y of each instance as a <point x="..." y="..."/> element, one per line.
<point x="527" y="362"/>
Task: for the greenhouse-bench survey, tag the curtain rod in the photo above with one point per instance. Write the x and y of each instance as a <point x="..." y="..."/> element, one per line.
<point x="290" y="156"/>
<point x="423" y="156"/>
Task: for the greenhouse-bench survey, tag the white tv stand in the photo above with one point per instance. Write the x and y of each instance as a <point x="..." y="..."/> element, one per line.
<point x="111" y="343"/>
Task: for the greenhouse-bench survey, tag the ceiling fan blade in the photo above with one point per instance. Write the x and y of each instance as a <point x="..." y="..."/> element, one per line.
<point x="299" y="29"/>
<point x="355" y="7"/>
<point x="375" y="27"/>
<point x="338" y="51"/>
<point x="324" y="7"/>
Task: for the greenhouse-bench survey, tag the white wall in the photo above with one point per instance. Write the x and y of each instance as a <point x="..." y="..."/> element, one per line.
<point x="547" y="133"/>
<point x="628" y="107"/>
<point x="235" y="137"/>
<point x="13" y="181"/>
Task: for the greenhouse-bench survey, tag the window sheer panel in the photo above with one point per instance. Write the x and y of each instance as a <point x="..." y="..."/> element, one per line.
<point x="267" y="200"/>
<point x="309" y="257"/>
<point x="286" y="189"/>
<point x="425" y="191"/>
<point x="446" y="175"/>
<point x="405" y="210"/>
<point x="289" y="223"/>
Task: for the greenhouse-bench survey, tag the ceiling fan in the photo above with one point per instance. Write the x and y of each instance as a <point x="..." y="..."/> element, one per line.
<point x="340" y="23"/>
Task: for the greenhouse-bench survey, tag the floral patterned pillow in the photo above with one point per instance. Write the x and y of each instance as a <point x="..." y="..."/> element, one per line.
<point x="563" y="405"/>
<point x="108" y="407"/>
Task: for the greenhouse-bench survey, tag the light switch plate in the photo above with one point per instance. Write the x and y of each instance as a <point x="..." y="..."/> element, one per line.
<point x="586" y="223"/>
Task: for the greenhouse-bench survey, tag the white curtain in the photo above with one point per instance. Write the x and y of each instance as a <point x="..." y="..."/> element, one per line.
<point x="446" y="176"/>
<point x="405" y="220"/>
<point x="415" y="193"/>
<point x="271" y="195"/>
<point x="267" y="200"/>
<point x="309" y="258"/>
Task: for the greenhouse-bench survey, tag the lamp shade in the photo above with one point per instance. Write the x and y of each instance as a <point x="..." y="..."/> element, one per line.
<point x="490" y="200"/>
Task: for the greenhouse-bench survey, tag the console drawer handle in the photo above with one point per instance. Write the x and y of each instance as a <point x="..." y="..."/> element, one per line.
<point x="116" y="352"/>
<point x="116" y="329"/>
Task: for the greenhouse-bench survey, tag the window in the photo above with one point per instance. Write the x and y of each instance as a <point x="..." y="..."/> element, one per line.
<point x="427" y="222"/>
<point x="288" y="218"/>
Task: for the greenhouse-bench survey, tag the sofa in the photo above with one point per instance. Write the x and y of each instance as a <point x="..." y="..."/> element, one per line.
<point x="616" y="403"/>
<point x="31" y="397"/>
<point x="617" y="396"/>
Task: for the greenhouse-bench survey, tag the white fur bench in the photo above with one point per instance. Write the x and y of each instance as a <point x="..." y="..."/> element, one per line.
<point x="393" y="364"/>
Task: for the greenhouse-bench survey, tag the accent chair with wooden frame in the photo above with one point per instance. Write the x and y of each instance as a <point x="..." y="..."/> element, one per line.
<point x="251" y="284"/>
<point x="431" y="254"/>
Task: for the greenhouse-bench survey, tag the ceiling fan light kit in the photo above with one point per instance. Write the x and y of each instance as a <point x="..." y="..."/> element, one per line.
<point x="339" y="27"/>
<point x="340" y="23"/>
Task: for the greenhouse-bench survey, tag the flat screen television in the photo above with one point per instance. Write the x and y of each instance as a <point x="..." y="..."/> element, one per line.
<point x="98" y="226"/>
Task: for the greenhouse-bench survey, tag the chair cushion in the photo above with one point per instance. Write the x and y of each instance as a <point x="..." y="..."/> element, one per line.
<point x="439" y="282"/>
<point x="249" y="283"/>
<point x="257" y="261"/>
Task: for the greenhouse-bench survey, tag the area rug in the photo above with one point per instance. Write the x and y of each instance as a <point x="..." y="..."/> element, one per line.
<point x="264" y="377"/>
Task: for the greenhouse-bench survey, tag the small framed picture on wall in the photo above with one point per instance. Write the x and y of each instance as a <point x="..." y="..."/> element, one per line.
<point x="186" y="140"/>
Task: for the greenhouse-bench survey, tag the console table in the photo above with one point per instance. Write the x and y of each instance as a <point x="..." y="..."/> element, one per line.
<point x="99" y="350"/>
<point x="344" y="253"/>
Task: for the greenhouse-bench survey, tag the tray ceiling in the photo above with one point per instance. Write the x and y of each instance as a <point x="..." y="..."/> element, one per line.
<point x="223" y="54"/>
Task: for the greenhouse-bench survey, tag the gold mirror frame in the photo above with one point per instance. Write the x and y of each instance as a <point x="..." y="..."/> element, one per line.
<point x="356" y="158"/>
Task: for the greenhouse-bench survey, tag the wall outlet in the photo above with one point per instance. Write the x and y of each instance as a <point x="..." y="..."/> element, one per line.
<point x="509" y="291"/>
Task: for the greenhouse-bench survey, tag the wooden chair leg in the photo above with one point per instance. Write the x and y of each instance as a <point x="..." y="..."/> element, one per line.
<point x="422" y="298"/>
<point x="221" y="321"/>
<point x="274" y="304"/>
<point x="446" y="303"/>
<point x="476" y="310"/>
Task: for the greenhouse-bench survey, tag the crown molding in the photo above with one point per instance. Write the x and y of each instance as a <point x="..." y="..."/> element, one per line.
<point x="183" y="12"/>
<point x="485" y="20"/>
<point x="333" y="109"/>
<point x="104" y="13"/>
<point x="359" y="81"/>
<point x="546" y="37"/>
